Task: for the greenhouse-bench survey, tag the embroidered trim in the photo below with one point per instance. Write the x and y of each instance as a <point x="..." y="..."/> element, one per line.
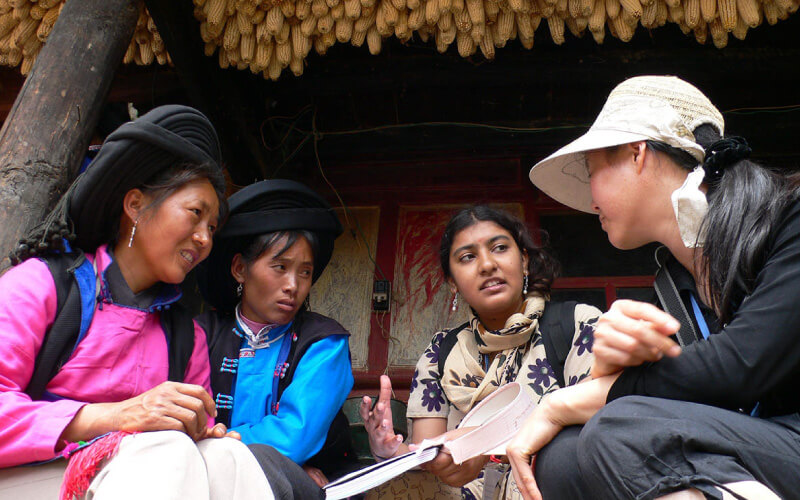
<point x="229" y="365"/>
<point x="224" y="402"/>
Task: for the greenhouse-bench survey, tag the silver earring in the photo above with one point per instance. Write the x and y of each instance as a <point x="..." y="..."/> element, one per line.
<point x="239" y="290"/>
<point x="133" y="231"/>
<point x="525" y="285"/>
<point x="454" y="307"/>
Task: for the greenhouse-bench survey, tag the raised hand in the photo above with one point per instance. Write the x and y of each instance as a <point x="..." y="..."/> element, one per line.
<point x="383" y="442"/>
<point x="632" y="333"/>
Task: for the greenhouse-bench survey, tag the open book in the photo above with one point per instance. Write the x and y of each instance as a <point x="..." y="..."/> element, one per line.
<point x="488" y="428"/>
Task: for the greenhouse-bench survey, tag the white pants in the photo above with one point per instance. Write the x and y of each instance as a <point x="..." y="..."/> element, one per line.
<point x="162" y="465"/>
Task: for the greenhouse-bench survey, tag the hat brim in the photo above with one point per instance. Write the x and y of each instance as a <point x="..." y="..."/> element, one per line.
<point x="563" y="175"/>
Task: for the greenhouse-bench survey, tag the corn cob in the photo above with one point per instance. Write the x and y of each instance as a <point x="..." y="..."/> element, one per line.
<point x="215" y="11"/>
<point x="8" y="24"/>
<point x="623" y="30"/>
<point x="263" y="53"/>
<point x="24" y="30"/>
<point x="274" y="69"/>
<point x="48" y="4"/>
<point x="367" y="19"/>
<point x="27" y="65"/>
<point x="562" y="8"/>
<point x="505" y="25"/>
<point x="718" y="32"/>
<point x="457" y="6"/>
<point x="296" y="65"/>
<point x="691" y="13"/>
<point x="649" y="15"/>
<point x="676" y="14"/>
<point x="357" y="40"/>
<point x="432" y="12"/>
<point x="491" y="9"/>
<point x="487" y="45"/>
<point x="325" y="24"/>
<point x="556" y="25"/>
<point x="612" y="8"/>
<point x="416" y="18"/>
<point x="749" y="13"/>
<point x="283" y="52"/>
<point x="247" y="47"/>
<point x="231" y="37"/>
<point x="770" y="13"/>
<point x="663" y="13"/>
<point x="477" y="32"/>
<point x="727" y="16"/>
<point x="352" y="9"/>
<point x="708" y="9"/>
<point x="633" y="7"/>
<point x="344" y="30"/>
<point x="374" y="41"/>
<point x="319" y="8"/>
<point x="466" y="47"/>
<point x="283" y="35"/>
<point x="287" y="8"/>
<point x="337" y="11"/>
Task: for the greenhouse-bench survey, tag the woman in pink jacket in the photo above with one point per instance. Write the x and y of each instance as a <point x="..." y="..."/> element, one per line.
<point x="128" y="401"/>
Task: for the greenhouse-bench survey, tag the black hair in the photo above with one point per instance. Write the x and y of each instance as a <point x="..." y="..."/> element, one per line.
<point x="745" y="203"/>
<point x="49" y="236"/>
<point x="542" y="265"/>
<point x="256" y="247"/>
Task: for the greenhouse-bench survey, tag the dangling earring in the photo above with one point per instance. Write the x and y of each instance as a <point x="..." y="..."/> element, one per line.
<point x="239" y="290"/>
<point x="525" y="285"/>
<point x="454" y="307"/>
<point x="133" y="231"/>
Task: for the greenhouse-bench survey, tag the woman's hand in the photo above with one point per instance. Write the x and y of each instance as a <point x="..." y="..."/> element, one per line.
<point x="453" y="474"/>
<point x="632" y="333"/>
<point x="383" y="442"/>
<point x="316" y="475"/>
<point x="168" y="406"/>
<point x="221" y="431"/>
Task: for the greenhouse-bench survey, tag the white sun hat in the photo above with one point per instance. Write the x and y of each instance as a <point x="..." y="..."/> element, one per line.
<point x="660" y="108"/>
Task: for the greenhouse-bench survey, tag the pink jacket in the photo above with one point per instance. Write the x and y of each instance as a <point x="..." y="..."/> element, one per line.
<point x="123" y="355"/>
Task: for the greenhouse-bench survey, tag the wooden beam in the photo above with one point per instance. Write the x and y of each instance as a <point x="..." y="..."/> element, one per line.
<point x="210" y="89"/>
<point x="49" y="127"/>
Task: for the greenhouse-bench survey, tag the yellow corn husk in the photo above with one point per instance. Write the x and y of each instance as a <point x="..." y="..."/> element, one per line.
<point x="325" y="24"/>
<point x="24" y="30"/>
<point x="597" y="20"/>
<point x="215" y="11"/>
<point x="535" y="20"/>
<point x="300" y="43"/>
<point x="708" y="10"/>
<point x="51" y="15"/>
<point x="701" y="32"/>
<point x="22" y="12"/>
<point x="368" y="3"/>
<point x="562" y="8"/>
<point x="650" y="15"/>
<point x="691" y="12"/>
<point x="247" y="47"/>
<point x="634" y="7"/>
<point x="231" y="37"/>
<point x="308" y="26"/>
<point x="526" y="42"/>
<point x="432" y="12"/>
<point x="303" y="9"/>
<point x="274" y="20"/>
<point x="37" y="12"/>
<point x="367" y="19"/>
<point x="576" y="25"/>
<point x="344" y="29"/>
<point x="208" y="49"/>
<point x="215" y="31"/>
<point x="446" y="21"/>
<point x="203" y="31"/>
<point x="463" y="21"/>
<point x="390" y="13"/>
<point x="623" y="31"/>
<point x="233" y="57"/>
<point x="574" y="8"/>
<point x="457" y="6"/>
<point x="718" y="33"/>
<point x="380" y="23"/>
<point x="230" y="10"/>
<point x="15" y="57"/>
<point x="27" y="65"/>
<point x="288" y="8"/>
<point x="416" y="19"/>
<point x="466" y="47"/>
<point x="448" y="36"/>
<point x="283" y="52"/>
<point x="412" y="4"/>
<point x="332" y="3"/>
<point x="476" y="13"/>
<point x="505" y="25"/>
<point x="524" y="26"/>
<point x="319" y="8"/>
<point x="49" y="4"/>
<point x="477" y="32"/>
<point x="445" y="6"/>
<point x="727" y="16"/>
<point x="740" y="31"/>
<point x="487" y="45"/>
<point x="260" y="14"/>
<point x="352" y="9"/>
<point x="546" y="9"/>
<point x="516" y="5"/>
<point x="398" y="4"/>
<point x="31" y="47"/>
<point x="441" y="44"/>
<point x="337" y="11"/>
<point x="401" y="29"/>
<point x="274" y="69"/>
<point x="749" y="13"/>
<point x="374" y="41"/>
<point x="263" y="34"/>
<point x="662" y="14"/>
<point x="499" y="41"/>
<point x="676" y="14"/>
<point x="357" y="40"/>
<point x="297" y="66"/>
<point x="612" y="8"/>
<point x="8" y="23"/>
<point x="789" y="6"/>
<point x="771" y="13"/>
<point x="283" y="35"/>
<point x="491" y="10"/>
<point x="146" y="54"/>
<point x="556" y="25"/>
<point x="263" y="53"/>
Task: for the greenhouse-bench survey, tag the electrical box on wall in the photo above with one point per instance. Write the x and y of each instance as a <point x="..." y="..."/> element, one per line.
<point x="381" y="293"/>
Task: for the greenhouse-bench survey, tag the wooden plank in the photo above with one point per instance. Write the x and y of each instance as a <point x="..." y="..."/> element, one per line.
<point x="49" y="127"/>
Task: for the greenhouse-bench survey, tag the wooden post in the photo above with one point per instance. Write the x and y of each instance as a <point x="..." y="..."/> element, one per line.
<point x="46" y="134"/>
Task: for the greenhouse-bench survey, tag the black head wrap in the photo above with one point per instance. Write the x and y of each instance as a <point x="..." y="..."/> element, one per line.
<point x="260" y="208"/>
<point x="723" y="153"/>
<point x="130" y="156"/>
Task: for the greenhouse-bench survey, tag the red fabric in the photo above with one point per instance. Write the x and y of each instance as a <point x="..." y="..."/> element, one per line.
<point x="84" y="464"/>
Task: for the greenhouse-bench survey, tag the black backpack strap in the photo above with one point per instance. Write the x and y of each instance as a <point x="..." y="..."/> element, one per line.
<point x="60" y="338"/>
<point x="671" y="301"/>
<point x="448" y="342"/>
<point x="179" y="329"/>
<point x="557" y="326"/>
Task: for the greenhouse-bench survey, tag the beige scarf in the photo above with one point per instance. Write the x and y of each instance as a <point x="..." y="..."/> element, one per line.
<point x="465" y="382"/>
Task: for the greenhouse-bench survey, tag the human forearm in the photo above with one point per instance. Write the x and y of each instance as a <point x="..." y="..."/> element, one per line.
<point x="575" y="405"/>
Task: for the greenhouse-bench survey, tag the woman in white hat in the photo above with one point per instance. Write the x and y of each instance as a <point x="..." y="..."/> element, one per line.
<point x="714" y="417"/>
